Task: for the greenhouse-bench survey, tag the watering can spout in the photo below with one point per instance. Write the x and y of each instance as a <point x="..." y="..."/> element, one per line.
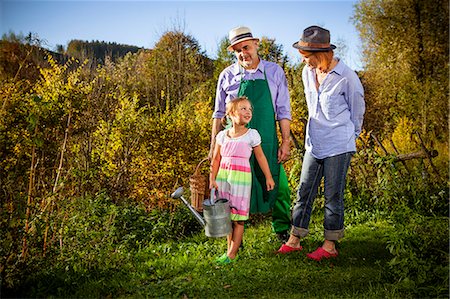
<point x="178" y="194"/>
<point x="217" y="221"/>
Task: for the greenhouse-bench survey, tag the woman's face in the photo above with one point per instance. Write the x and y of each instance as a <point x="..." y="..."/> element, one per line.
<point x="309" y="59"/>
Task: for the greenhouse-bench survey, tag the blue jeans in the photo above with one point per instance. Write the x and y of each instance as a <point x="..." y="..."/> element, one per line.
<point x="334" y="171"/>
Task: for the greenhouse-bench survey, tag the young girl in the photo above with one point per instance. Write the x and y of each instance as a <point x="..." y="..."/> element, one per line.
<point x="231" y="173"/>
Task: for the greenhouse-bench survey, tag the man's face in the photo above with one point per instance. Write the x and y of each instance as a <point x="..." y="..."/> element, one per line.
<point x="247" y="53"/>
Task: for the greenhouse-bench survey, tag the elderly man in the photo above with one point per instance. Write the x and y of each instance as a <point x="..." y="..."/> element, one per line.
<point x="264" y="83"/>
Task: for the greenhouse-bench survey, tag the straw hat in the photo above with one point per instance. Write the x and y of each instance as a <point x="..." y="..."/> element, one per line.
<point x="315" y="39"/>
<point x="239" y="34"/>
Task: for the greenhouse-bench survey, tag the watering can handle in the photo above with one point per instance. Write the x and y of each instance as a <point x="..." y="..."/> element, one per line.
<point x="213" y="195"/>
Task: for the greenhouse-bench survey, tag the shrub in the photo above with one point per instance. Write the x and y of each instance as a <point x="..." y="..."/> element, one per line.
<point x="379" y="182"/>
<point x="93" y="233"/>
<point x="419" y="245"/>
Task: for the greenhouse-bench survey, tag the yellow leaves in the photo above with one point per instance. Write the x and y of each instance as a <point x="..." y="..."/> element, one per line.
<point x="403" y="137"/>
<point x="105" y="145"/>
<point x="61" y="87"/>
<point x="18" y="149"/>
<point x="171" y="147"/>
<point x="364" y="138"/>
<point x="116" y="140"/>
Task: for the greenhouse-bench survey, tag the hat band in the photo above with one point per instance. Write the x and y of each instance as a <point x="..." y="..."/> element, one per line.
<point x="241" y="36"/>
<point x="313" y="45"/>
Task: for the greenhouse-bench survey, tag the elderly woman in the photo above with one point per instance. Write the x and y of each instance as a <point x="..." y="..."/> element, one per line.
<point x="335" y="99"/>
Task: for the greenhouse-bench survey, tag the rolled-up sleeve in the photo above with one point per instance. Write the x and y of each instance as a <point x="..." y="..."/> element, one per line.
<point x="219" y="105"/>
<point x="356" y="103"/>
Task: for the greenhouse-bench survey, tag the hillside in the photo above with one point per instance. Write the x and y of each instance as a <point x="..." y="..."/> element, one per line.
<point x="98" y="50"/>
<point x="22" y="60"/>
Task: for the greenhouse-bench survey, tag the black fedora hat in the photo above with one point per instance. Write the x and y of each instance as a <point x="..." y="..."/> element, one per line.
<point x="315" y="39"/>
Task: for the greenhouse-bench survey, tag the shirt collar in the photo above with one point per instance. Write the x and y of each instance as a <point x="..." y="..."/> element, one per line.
<point x="237" y="68"/>
<point x="339" y="68"/>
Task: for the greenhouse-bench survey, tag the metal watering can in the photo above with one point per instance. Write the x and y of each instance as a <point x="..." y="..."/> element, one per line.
<point x="217" y="221"/>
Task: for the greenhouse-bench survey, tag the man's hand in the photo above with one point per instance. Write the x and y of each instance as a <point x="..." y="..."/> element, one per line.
<point x="211" y="152"/>
<point x="284" y="151"/>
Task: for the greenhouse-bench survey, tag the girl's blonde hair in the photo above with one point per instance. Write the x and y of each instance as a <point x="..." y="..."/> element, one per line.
<point x="231" y="107"/>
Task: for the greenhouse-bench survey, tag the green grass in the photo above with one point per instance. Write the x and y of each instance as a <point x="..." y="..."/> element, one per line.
<point x="186" y="269"/>
<point x="259" y="273"/>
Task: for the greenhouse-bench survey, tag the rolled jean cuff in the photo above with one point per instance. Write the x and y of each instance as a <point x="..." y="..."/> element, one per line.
<point x="299" y="231"/>
<point x="334" y="235"/>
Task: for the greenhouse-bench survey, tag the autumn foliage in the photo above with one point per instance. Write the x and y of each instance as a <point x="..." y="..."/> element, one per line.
<point x="134" y="128"/>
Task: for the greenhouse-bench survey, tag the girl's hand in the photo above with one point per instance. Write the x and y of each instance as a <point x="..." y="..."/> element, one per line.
<point x="270" y="184"/>
<point x="213" y="184"/>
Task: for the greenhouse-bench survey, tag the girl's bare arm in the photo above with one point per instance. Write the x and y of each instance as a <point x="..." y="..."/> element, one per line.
<point x="215" y="163"/>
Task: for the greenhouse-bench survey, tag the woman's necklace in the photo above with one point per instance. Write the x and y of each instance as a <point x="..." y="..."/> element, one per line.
<point x="321" y="74"/>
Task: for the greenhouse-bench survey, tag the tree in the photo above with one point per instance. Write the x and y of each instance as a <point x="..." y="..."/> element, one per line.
<point x="341" y="50"/>
<point x="60" y="49"/>
<point x="176" y="66"/>
<point x="270" y="51"/>
<point x="97" y="50"/>
<point x="406" y="54"/>
<point x="224" y="57"/>
<point x="21" y="57"/>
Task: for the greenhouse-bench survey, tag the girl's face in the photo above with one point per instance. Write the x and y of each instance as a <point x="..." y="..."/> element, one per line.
<point x="243" y="114"/>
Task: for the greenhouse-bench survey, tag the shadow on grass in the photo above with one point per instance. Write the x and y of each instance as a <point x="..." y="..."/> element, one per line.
<point x="363" y="252"/>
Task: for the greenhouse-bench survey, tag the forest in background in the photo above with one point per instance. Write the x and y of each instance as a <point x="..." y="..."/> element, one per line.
<point x="79" y="130"/>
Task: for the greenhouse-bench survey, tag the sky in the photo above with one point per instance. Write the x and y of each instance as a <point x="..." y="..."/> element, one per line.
<point x="142" y="23"/>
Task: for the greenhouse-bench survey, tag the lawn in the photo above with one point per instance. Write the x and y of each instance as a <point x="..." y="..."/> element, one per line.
<point x="186" y="269"/>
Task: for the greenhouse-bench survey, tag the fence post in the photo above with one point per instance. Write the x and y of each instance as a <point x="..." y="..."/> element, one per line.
<point x="429" y="157"/>
<point x="397" y="153"/>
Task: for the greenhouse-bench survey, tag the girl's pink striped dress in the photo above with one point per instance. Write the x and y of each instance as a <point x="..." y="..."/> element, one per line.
<point x="234" y="179"/>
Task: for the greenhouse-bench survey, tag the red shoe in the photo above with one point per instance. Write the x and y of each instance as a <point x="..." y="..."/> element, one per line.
<point x="287" y="249"/>
<point x="321" y="253"/>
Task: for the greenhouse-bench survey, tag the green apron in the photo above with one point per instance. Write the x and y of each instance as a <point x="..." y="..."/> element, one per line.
<point x="258" y="92"/>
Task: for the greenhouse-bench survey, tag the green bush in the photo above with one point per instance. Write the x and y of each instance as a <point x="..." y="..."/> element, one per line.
<point x="378" y="183"/>
<point x="98" y="220"/>
<point x="95" y="234"/>
<point x="420" y="249"/>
